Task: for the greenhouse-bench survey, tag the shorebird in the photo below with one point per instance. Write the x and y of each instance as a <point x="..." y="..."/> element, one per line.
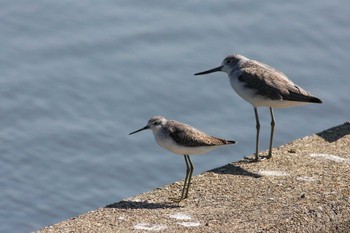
<point x="183" y="140"/>
<point x="262" y="86"/>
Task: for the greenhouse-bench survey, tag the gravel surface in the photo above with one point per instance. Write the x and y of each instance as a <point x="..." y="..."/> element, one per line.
<point x="303" y="188"/>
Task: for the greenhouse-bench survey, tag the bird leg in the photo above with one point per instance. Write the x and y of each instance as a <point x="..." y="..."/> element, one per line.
<point x="186" y="186"/>
<point x="272" y="132"/>
<point x="190" y="175"/>
<point x="257" y="134"/>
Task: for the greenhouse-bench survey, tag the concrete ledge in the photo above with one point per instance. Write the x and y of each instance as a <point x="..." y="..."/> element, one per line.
<point x="305" y="187"/>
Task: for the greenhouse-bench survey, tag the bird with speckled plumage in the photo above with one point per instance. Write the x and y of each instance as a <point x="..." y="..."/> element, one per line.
<point x="262" y="86"/>
<point x="182" y="139"/>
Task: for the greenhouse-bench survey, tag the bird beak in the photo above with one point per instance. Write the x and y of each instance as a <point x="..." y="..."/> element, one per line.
<point x="146" y="127"/>
<point x="210" y="71"/>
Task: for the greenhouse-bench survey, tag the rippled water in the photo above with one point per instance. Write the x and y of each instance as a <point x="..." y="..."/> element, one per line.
<point x="77" y="77"/>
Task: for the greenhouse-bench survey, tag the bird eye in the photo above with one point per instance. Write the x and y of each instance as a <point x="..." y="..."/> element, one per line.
<point x="155" y="123"/>
<point x="228" y="61"/>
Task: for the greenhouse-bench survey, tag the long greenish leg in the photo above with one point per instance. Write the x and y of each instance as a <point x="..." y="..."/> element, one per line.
<point x="257" y="134"/>
<point x="191" y="167"/>
<point x="183" y="195"/>
<point x="185" y="186"/>
<point x="272" y="132"/>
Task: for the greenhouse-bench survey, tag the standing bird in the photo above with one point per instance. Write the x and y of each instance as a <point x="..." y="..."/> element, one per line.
<point x="262" y="85"/>
<point x="184" y="140"/>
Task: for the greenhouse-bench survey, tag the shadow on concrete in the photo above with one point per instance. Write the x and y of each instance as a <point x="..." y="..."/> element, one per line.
<point x="234" y="170"/>
<point x="141" y="205"/>
<point x="335" y="133"/>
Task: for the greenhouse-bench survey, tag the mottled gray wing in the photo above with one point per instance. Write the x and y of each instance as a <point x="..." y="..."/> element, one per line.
<point x="273" y="84"/>
<point x="188" y="136"/>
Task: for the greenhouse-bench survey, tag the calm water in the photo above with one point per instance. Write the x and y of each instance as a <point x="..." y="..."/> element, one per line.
<point x="77" y="77"/>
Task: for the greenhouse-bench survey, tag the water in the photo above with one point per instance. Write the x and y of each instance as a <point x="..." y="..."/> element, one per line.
<point x="77" y="77"/>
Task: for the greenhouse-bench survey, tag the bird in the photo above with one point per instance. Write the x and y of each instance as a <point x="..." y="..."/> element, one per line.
<point x="182" y="139"/>
<point x="262" y="86"/>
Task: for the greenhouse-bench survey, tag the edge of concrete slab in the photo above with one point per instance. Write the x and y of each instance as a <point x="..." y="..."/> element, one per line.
<point x="303" y="188"/>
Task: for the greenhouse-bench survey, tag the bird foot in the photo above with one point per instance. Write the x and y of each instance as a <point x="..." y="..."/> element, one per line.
<point x="252" y="159"/>
<point x="266" y="157"/>
<point x="176" y="200"/>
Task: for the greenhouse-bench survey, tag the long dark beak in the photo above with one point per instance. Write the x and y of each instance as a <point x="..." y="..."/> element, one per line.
<point x="210" y="71"/>
<point x="146" y="127"/>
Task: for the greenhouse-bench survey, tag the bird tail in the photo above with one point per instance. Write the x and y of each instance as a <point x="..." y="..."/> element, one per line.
<point x="315" y="100"/>
<point x="224" y="142"/>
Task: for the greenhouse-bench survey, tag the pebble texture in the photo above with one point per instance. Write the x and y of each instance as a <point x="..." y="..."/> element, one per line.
<point x="305" y="187"/>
